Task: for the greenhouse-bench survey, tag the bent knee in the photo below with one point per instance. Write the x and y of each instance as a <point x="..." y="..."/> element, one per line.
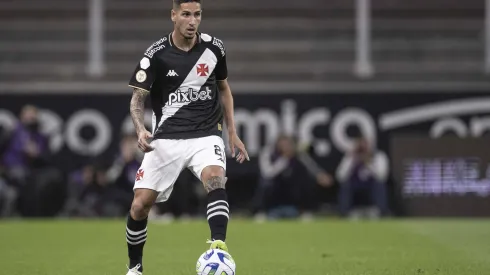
<point x="140" y="209"/>
<point x="213" y="177"/>
<point x="212" y="171"/>
<point x="215" y="182"/>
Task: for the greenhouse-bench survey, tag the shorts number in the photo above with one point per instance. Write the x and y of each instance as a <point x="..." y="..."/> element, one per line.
<point x="217" y="150"/>
<point x="219" y="153"/>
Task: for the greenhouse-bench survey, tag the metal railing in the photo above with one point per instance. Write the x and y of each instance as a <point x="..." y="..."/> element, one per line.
<point x="487" y="37"/>
<point x="363" y="67"/>
<point x="96" y="58"/>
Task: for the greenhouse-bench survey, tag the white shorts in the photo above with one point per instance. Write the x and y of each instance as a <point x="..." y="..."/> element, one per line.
<point x="162" y="166"/>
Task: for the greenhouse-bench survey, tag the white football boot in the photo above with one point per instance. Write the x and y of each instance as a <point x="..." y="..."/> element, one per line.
<point x="134" y="270"/>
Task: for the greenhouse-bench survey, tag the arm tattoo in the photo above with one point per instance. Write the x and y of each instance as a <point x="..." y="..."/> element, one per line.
<point x="137" y="109"/>
<point x="214" y="183"/>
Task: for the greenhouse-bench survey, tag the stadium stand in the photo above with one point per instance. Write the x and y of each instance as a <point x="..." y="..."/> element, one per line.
<point x="308" y="41"/>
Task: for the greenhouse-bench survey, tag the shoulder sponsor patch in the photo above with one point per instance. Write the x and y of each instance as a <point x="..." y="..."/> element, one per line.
<point x="145" y="63"/>
<point x="217" y="42"/>
<point x="206" y="37"/>
<point x="155" y="47"/>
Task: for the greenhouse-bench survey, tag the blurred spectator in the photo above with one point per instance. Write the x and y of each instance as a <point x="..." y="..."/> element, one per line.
<point x="77" y="183"/>
<point x="8" y="194"/>
<point x="89" y="193"/>
<point x="26" y="160"/>
<point x="5" y="133"/>
<point x="362" y="174"/>
<point x="8" y="197"/>
<point x="94" y="192"/>
<point x="287" y="184"/>
<point x="27" y="148"/>
<point x="122" y="173"/>
<point x="101" y="189"/>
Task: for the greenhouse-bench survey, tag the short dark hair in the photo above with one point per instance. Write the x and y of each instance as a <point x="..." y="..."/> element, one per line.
<point x="177" y="3"/>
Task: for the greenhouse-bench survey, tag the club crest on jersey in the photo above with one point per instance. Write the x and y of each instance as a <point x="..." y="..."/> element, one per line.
<point x="141" y="76"/>
<point x="188" y="96"/>
<point x="202" y="70"/>
<point x="140" y="174"/>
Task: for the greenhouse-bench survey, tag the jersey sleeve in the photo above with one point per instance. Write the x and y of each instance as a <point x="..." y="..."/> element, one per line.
<point x="144" y="74"/>
<point x="221" y="69"/>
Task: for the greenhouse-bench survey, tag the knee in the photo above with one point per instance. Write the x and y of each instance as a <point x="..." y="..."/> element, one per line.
<point x="140" y="209"/>
<point x="214" y="179"/>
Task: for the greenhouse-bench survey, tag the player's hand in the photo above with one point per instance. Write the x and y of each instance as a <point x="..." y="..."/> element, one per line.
<point x="143" y="143"/>
<point x="235" y="142"/>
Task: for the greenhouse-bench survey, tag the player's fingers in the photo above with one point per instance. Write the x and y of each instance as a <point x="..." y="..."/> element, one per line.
<point x="149" y="148"/>
<point x="244" y="152"/>
<point x="232" y="150"/>
<point x="143" y="142"/>
<point x="146" y="147"/>
<point x="141" y="146"/>
<point x="241" y="158"/>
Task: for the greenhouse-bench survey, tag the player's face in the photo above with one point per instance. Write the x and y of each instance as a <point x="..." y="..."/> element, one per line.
<point x="187" y="19"/>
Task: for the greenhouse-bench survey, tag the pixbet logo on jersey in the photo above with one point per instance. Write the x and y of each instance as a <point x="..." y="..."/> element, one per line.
<point x="188" y="96"/>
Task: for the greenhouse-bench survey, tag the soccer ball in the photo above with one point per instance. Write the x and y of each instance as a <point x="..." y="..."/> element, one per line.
<point x="215" y="262"/>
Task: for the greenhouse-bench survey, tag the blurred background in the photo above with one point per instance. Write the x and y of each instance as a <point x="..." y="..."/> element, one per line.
<point x="357" y="109"/>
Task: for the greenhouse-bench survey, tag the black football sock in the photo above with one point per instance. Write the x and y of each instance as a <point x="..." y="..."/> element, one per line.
<point x="136" y="238"/>
<point x="217" y="213"/>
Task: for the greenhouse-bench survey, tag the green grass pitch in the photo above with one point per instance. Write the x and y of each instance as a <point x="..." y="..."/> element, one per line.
<point x="323" y="247"/>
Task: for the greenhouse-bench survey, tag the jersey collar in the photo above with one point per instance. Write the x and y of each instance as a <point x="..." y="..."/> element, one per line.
<point x="171" y="41"/>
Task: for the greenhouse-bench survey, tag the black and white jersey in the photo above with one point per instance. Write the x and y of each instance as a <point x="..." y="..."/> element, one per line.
<point x="183" y="87"/>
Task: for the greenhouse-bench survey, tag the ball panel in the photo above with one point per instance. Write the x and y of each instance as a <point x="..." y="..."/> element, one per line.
<point x="215" y="262"/>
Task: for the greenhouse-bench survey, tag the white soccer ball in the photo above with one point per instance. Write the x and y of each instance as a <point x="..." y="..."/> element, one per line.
<point x="215" y="262"/>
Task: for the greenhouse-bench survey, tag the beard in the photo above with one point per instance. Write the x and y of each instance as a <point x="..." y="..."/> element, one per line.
<point x="189" y="36"/>
<point x="186" y="34"/>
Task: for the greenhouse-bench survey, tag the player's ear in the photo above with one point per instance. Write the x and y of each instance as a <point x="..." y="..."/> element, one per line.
<point x="173" y="14"/>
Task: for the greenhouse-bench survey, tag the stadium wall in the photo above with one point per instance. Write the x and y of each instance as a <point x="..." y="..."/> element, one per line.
<point x="84" y="127"/>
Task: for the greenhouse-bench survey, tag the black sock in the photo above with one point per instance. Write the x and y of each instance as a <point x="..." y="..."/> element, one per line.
<point x="136" y="238"/>
<point x="217" y="213"/>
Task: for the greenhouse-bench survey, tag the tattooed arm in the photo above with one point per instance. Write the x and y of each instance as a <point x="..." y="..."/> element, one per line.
<point x="137" y="109"/>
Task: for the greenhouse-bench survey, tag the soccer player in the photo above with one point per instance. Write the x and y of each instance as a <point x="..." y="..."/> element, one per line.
<point x="185" y="74"/>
